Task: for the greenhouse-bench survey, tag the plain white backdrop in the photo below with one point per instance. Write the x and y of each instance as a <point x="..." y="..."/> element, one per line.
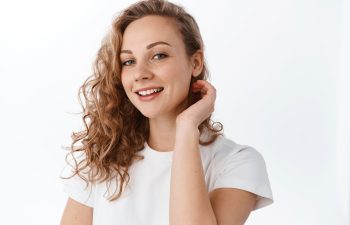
<point x="281" y="69"/>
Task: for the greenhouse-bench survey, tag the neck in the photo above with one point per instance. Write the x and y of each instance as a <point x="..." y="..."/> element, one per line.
<point x="162" y="134"/>
<point x="163" y="129"/>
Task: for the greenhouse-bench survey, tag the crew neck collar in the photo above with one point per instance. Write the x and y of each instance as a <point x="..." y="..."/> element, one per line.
<point x="157" y="155"/>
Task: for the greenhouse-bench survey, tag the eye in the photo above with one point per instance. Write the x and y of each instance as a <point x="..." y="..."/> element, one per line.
<point x="128" y="62"/>
<point x="160" y="56"/>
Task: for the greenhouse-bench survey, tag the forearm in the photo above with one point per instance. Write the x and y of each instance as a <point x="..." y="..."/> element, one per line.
<point x="189" y="199"/>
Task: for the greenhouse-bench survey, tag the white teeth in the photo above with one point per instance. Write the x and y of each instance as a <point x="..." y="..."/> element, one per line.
<point x="150" y="91"/>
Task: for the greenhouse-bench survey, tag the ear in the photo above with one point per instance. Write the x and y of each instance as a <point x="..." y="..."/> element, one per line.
<point x="197" y="62"/>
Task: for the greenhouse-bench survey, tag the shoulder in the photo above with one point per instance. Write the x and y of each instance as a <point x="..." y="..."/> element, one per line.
<point x="226" y="149"/>
<point x="239" y="166"/>
<point x="78" y="186"/>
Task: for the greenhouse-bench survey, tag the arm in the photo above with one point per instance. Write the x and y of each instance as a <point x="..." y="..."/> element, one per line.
<point x="76" y="213"/>
<point x="232" y="206"/>
<point x="189" y="200"/>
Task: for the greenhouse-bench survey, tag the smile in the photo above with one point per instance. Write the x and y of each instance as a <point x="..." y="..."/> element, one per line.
<point x="147" y="95"/>
<point x="150" y="91"/>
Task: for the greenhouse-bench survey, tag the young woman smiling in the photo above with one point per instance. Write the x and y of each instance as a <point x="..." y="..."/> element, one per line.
<point x="150" y="152"/>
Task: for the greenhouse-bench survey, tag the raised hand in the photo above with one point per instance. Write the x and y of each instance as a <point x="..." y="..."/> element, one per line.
<point x="199" y="111"/>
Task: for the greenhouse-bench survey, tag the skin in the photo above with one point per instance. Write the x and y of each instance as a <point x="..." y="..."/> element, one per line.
<point x="173" y="125"/>
<point x="76" y="213"/>
<point x="142" y="67"/>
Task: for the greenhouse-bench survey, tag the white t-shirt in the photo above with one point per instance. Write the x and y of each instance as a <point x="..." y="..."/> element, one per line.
<point x="146" y="198"/>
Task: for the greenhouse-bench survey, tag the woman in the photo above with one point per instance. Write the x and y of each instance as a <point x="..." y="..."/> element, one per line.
<point x="150" y="153"/>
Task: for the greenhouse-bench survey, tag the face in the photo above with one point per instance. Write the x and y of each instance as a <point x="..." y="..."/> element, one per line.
<point x="154" y="60"/>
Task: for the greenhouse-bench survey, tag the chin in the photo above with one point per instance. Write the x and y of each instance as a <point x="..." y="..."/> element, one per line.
<point x="150" y="114"/>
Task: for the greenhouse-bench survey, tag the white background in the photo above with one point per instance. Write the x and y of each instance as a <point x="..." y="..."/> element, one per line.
<point x="281" y="69"/>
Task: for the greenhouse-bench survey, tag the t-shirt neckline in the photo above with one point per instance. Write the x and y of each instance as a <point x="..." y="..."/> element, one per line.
<point x="158" y="155"/>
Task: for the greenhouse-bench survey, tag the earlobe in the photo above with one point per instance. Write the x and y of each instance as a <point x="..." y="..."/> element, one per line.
<point x="195" y="74"/>
<point x="197" y="69"/>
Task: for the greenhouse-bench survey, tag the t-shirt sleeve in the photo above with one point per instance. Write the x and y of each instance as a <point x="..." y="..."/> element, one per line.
<point x="243" y="168"/>
<point x="77" y="189"/>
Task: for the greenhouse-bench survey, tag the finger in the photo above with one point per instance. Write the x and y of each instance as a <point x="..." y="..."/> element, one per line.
<point x="206" y="87"/>
<point x="202" y="85"/>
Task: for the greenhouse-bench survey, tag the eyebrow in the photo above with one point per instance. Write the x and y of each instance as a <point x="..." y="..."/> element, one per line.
<point x="148" y="46"/>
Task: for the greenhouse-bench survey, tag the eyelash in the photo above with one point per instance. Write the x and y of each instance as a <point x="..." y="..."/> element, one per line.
<point x="124" y="63"/>
<point x="162" y="54"/>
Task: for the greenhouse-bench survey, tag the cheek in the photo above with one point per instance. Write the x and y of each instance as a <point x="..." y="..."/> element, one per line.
<point x="184" y="77"/>
<point x="180" y="78"/>
<point x="182" y="85"/>
<point x="125" y="81"/>
<point x="126" y="86"/>
<point x="176" y="72"/>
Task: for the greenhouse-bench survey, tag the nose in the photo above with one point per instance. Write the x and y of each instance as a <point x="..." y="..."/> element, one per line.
<point x="142" y="72"/>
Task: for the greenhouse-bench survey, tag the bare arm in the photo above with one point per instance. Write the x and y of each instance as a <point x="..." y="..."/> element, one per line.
<point x="76" y="213"/>
<point x="189" y="199"/>
<point x="232" y="206"/>
<point x="190" y="203"/>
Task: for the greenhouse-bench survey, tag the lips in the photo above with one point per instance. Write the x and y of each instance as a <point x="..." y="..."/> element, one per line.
<point x="146" y="88"/>
<point x="145" y="96"/>
<point x="149" y="91"/>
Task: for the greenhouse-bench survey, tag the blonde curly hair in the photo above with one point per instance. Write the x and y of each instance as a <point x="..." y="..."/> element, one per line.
<point x="114" y="129"/>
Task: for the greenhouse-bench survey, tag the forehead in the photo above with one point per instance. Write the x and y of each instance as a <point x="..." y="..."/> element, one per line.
<point x="150" y="29"/>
